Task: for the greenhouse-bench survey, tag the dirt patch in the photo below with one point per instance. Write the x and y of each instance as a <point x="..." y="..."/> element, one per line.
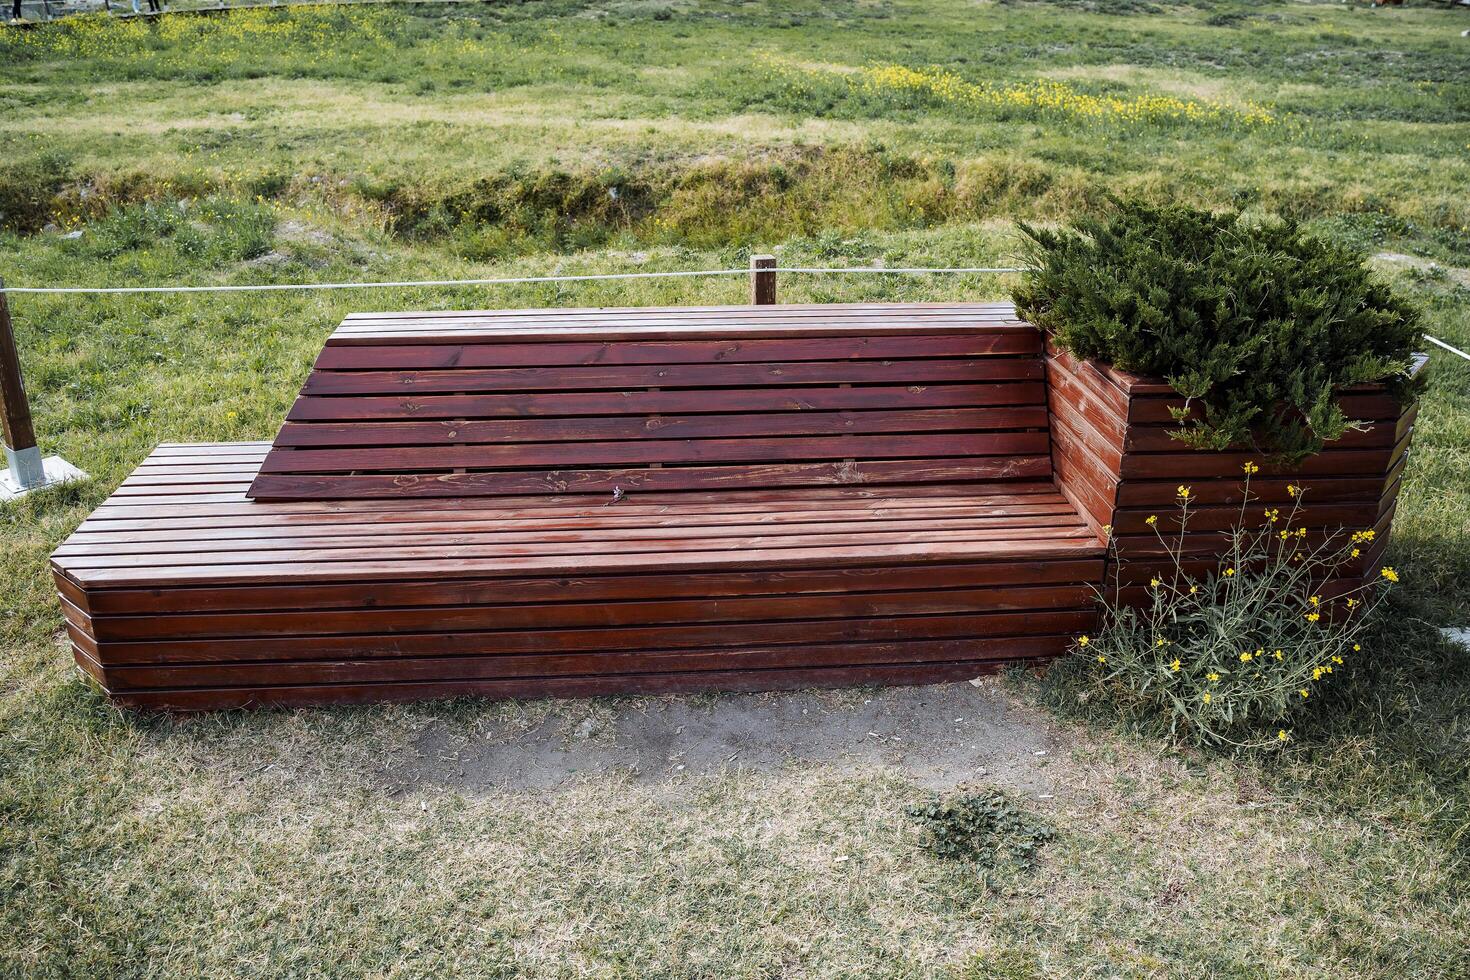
<point x="1459" y="275"/>
<point x="939" y="736"/>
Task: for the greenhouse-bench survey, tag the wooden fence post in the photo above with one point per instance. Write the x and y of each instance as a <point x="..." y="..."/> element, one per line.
<point x="26" y="470"/>
<point x="21" y="453"/>
<point x="762" y="280"/>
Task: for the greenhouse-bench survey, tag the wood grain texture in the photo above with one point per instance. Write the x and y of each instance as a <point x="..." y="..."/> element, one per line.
<point x="573" y="502"/>
<point x="547" y="402"/>
<point x="1114" y="458"/>
<point x="183" y="600"/>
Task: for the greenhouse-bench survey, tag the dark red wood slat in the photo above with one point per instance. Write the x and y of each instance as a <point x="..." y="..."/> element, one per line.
<point x="412" y="356"/>
<point x="200" y="572"/>
<point x="330" y="539"/>
<point x="85" y="541"/>
<point x="672" y="376"/>
<point x="209" y="699"/>
<point x="820" y="313"/>
<point x="323" y="434"/>
<point x="603" y="639"/>
<point x="692" y="501"/>
<point x="402" y="459"/>
<point x="644" y="403"/>
<point x="229" y="523"/>
<point x="568" y="589"/>
<point x="313" y="487"/>
<point x="562" y="545"/>
<point x="656" y="611"/>
<point x="608" y="665"/>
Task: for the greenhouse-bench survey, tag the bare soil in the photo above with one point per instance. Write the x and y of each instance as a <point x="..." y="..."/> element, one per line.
<point x="938" y="736"/>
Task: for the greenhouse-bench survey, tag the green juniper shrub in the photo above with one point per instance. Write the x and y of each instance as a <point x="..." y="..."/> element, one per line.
<point x="982" y="828"/>
<point x="1255" y="324"/>
<point x="1233" y="656"/>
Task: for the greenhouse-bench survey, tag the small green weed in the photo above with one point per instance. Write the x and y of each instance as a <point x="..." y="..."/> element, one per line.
<point x="986" y="828"/>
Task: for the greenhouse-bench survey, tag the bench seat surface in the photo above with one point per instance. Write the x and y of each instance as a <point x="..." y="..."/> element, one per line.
<point x="181" y="592"/>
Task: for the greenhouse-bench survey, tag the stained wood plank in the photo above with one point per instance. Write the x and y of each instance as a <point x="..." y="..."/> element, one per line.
<point x="207" y="699"/>
<point x="448" y="669"/>
<point x="273" y="486"/>
<point x="404" y="459"/>
<point x="572" y="588"/>
<point x="534" y="430"/>
<point x="419" y="356"/>
<point x="672" y="376"/>
<point x="399" y="646"/>
<point x="645" y="403"/>
<point x="661" y="611"/>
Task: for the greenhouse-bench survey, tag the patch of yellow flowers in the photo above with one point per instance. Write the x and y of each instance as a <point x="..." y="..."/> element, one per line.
<point x="1175" y="650"/>
<point x="1036" y="96"/>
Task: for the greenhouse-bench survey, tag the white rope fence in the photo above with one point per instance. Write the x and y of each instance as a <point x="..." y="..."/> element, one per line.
<point x="28" y="471"/>
<point x="532" y="280"/>
<point x="1440" y="343"/>
<point x="506" y="281"/>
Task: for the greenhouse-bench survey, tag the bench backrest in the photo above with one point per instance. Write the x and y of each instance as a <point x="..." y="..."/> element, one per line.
<point x="521" y="402"/>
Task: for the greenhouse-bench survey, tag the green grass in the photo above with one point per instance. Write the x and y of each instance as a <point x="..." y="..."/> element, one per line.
<point x="483" y="140"/>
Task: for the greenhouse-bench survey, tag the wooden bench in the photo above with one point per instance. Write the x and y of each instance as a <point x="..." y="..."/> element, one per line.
<point x="569" y="502"/>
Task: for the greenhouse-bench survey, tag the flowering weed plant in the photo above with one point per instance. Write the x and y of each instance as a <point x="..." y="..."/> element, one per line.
<point x="1233" y="655"/>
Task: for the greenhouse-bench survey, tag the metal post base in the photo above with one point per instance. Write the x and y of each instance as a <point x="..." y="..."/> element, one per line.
<point x="28" y="471"/>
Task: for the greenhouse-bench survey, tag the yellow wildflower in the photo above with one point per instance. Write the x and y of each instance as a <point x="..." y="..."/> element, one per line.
<point x="1151" y="520"/>
<point x="1281" y="735"/>
<point x="1293" y="489"/>
<point x="1212" y="676"/>
<point x="1388" y="573"/>
<point x="1251" y="469"/>
<point x="1175" y="665"/>
<point x="1208" y="698"/>
<point x="1246" y="657"/>
<point x="1083" y="640"/>
<point x="1312" y="617"/>
<point x="1182" y="493"/>
<point x="1302" y="691"/>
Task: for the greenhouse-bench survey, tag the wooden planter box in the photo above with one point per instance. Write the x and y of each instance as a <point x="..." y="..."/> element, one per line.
<point x="1116" y="462"/>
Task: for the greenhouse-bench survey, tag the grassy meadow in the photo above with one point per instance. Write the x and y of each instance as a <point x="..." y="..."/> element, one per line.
<point x="448" y="141"/>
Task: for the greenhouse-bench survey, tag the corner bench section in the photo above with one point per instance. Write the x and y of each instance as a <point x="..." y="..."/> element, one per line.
<point x="1116" y="461"/>
<point x="181" y="593"/>
<point x="568" y="502"/>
